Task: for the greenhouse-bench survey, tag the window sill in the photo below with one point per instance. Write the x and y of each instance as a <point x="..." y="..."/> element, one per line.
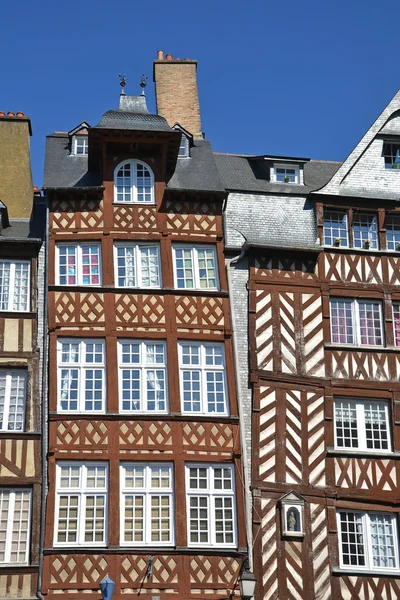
<point x="363" y="453"/>
<point x="152" y="203"/>
<point x="350" y="250"/>
<point x="18" y="567"/>
<point x="363" y="348"/>
<point x="364" y="573"/>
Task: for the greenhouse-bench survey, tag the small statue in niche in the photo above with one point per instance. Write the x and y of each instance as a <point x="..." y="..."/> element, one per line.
<point x="293" y="519"/>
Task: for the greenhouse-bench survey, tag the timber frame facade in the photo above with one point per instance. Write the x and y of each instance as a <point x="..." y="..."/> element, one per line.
<point x="107" y="313"/>
<point x="22" y="257"/>
<point x="320" y="372"/>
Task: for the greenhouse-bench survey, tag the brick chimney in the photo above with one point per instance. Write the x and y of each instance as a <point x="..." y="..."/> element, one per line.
<point x="15" y="164"/>
<point x="177" y="96"/>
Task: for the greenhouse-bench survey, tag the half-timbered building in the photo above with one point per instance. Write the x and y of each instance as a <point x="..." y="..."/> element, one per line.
<point x="315" y="278"/>
<point x="21" y="360"/>
<point x="144" y="457"/>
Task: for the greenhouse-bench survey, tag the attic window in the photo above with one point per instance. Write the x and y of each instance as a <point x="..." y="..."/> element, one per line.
<point x="391" y="153"/>
<point x="286" y="174"/>
<point x="80" y="145"/>
<point x="184" y="147"/>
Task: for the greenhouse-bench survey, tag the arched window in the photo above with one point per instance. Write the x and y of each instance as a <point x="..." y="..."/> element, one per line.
<point x="133" y="182"/>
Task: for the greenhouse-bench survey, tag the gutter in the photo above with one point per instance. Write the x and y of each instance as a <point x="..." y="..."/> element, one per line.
<point x="44" y="414"/>
<point x="246" y="474"/>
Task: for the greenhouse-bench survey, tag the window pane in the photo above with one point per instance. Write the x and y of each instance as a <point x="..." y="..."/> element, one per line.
<point x="67" y="260"/>
<point x="198" y="507"/>
<point x="184" y="268"/>
<point x="14" y="525"/>
<point x="90" y="270"/>
<point x="396" y="323"/>
<point x="124" y="184"/>
<point x="393" y="232"/>
<point x="126" y="271"/>
<point x="383" y="542"/>
<point x="207" y="268"/>
<point x="365" y="231"/>
<point x="335" y="228"/>
<point x="150" y="267"/>
<point x="376" y="425"/>
<point x="134" y="519"/>
<point x="21" y="286"/>
<point x="5" y="273"/>
<point x="370" y="323"/>
<point x="342" y="322"/>
<point x="352" y="539"/>
<point x="143" y="184"/>
<point x="346" y="424"/>
<point x="16" y="412"/>
<point x="391" y="152"/>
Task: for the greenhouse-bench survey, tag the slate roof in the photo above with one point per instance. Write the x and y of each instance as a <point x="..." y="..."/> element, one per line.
<point x="122" y="119"/>
<point x="271" y="215"/>
<point x="270" y="221"/>
<point x="197" y="173"/>
<point x="251" y="174"/>
<point x="62" y="169"/>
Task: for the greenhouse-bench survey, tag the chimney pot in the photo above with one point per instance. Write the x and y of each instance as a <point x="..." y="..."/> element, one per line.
<point x="168" y="57"/>
<point x="10" y="114"/>
<point x="2" y="114"/>
<point x="160" y="55"/>
<point x="20" y="114"/>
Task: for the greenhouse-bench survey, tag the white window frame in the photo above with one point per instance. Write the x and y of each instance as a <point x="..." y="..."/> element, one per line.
<point x="343" y="243"/>
<point x="137" y="246"/>
<point x="367" y="541"/>
<point x="78" y="263"/>
<point x="147" y="492"/>
<point x="9" y="375"/>
<point x="204" y="369"/>
<point x="134" y="183"/>
<point x="10" y="524"/>
<point x="194" y="250"/>
<point x="360" y="406"/>
<point x="143" y="367"/>
<point x="295" y="168"/>
<point x="12" y="286"/>
<point x="82" y="491"/>
<point x="81" y="366"/>
<point x="85" y="140"/>
<point x="356" y="321"/>
<point x="211" y="493"/>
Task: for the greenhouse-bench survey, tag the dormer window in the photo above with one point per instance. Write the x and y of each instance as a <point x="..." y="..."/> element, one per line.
<point x="133" y="183"/>
<point x="184" y="147"/>
<point x="80" y="145"/>
<point x="391" y="153"/>
<point x="286" y="174"/>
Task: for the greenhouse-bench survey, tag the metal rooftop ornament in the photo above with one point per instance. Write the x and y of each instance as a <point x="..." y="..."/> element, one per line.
<point x="143" y="84"/>
<point x="122" y="82"/>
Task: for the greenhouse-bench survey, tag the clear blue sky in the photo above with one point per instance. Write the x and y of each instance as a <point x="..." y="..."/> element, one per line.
<point x="296" y="78"/>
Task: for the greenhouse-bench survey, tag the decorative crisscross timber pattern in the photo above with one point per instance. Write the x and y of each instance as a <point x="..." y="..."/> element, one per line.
<point x="146" y="434"/>
<point x="77" y="571"/>
<point x="294" y="570"/>
<point x="287" y="268"/>
<point x="313" y="353"/>
<point x="393" y="264"/>
<point x="208" y="436"/>
<point x="82" y="434"/>
<point x="135" y="217"/>
<point x="18" y="585"/>
<point x="267" y="450"/>
<point x="360" y="365"/>
<point x="76" y="307"/>
<point x="269" y="554"/>
<point x="293" y="458"/>
<point x="287" y="327"/>
<point x="192" y="217"/>
<point x="365" y="474"/>
<point x="92" y="214"/>
<point x="320" y="552"/>
<point x="200" y="311"/>
<point x="316" y="438"/>
<point x="63" y="214"/>
<point x="142" y="309"/>
<point x="264" y="330"/>
<point x="213" y="574"/>
<point x="164" y="574"/>
<point x="18" y="458"/>
<point x="369" y="588"/>
<point x="354" y="268"/>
